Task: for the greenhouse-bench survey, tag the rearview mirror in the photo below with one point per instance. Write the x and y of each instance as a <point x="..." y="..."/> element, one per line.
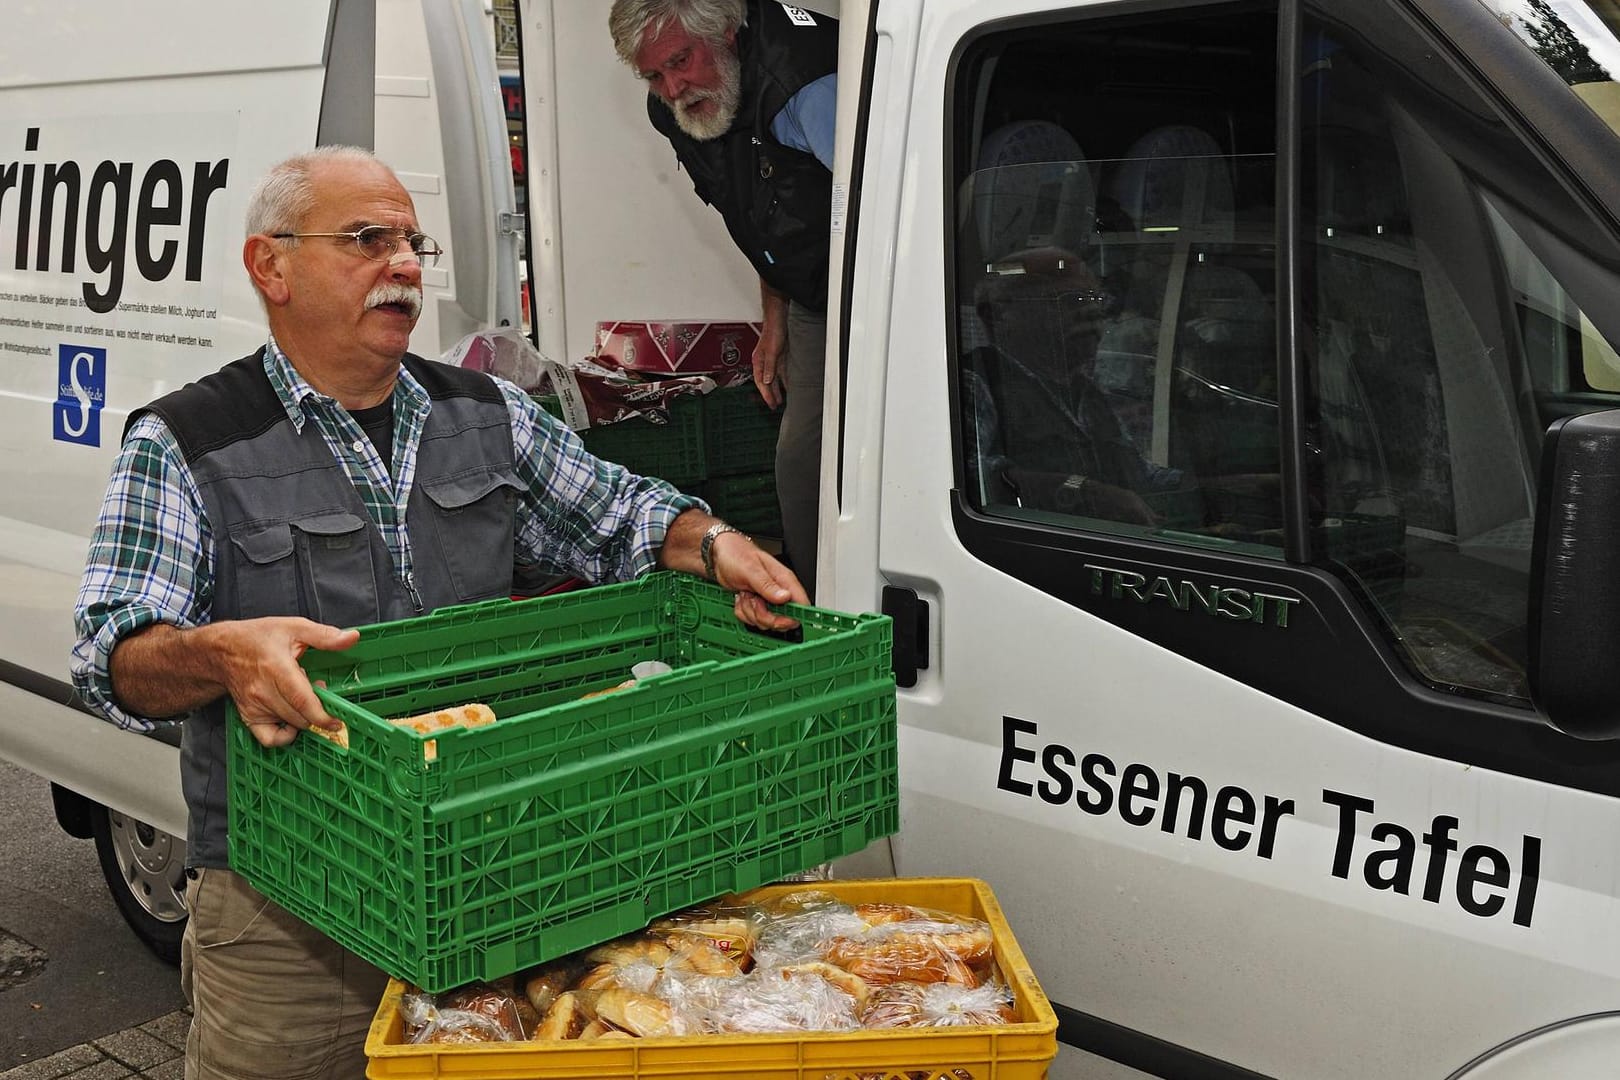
<point x="1574" y="624"/>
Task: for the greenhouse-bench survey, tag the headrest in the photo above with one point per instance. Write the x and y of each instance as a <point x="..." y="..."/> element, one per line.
<point x="1031" y="190"/>
<point x="1175" y="175"/>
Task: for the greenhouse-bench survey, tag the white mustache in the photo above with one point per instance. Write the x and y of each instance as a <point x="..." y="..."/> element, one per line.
<point x="393" y="292"/>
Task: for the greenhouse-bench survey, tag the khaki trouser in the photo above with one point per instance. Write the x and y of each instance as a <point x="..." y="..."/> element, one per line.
<point x="271" y="996"/>
<point x="798" y="445"/>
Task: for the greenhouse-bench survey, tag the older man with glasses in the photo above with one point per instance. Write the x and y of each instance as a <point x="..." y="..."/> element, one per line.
<point x="331" y="479"/>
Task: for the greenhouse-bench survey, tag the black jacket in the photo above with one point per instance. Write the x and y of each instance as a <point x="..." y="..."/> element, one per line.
<point x="776" y="201"/>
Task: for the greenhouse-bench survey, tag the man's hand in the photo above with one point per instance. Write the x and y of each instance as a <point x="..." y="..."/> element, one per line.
<point x="165" y="671"/>
<point x="758" y="580"/>
<point x="272" y="693"/>
<point x="770" y="374"/>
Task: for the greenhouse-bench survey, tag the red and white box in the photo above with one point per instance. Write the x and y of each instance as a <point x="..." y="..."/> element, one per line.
<point x="724" y="351"/>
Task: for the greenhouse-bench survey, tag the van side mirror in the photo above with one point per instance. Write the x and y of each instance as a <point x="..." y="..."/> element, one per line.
<point x="1574" y="623"/>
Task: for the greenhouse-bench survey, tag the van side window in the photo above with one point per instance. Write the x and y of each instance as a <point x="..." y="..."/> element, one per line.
<point x="1454" y="304"/>
<point x="1115" y="277"/>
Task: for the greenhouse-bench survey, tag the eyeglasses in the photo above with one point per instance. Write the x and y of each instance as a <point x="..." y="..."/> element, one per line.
<point x="379" y="242"/>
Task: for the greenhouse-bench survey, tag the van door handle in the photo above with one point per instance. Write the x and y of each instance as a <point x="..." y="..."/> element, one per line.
<point x="910" y="616"/>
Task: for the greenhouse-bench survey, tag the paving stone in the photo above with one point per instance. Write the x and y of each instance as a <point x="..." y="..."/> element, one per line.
<point x="57" y="1065"/>
<point x="171" y="1028"/>
<point x="105" y="1070"/>
<point x="169" y="1070"/>
<point x="135" y="1048"/>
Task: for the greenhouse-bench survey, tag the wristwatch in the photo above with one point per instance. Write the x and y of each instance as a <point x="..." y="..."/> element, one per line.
<point x="1076" y="484"/>
<point x="1074" y="490"/>
<point x="706" y="545"/>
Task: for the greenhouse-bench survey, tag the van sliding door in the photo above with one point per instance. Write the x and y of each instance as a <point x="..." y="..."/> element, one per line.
<point x="1138" y="396"/>
<point x="1252" y="318"/>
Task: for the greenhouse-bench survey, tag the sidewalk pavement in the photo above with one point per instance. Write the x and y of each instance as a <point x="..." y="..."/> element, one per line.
<point x="153" y="1051"/>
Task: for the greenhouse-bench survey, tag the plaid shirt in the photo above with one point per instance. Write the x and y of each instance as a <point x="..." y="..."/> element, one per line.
<point x="151" y="555"/>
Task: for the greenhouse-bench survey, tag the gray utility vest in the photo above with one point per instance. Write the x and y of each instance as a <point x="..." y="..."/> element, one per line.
<point x="292" y="536"/>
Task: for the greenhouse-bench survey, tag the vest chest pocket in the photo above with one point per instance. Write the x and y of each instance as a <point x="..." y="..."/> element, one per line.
<point x="319" y="567"/>
<point x="474" y="516"/>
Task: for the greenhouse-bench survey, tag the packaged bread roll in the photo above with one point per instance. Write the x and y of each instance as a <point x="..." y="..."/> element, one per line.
<point x="471" y="715"/>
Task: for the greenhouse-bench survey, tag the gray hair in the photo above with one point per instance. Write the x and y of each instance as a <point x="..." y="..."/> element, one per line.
<point x="631" y="21"/>
<point x="282" y="198"/>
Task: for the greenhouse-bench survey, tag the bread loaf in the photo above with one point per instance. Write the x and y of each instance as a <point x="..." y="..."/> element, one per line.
<point x="639" y="1014"/>
<point x="564" y="1020"/>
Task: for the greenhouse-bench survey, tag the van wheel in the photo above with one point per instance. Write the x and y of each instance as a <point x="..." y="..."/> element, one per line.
<point x="146" y="873"/>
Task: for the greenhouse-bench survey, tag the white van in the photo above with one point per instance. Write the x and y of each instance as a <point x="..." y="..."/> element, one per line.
<point x="1220" y="413"/>
<point x="124" y="175"/>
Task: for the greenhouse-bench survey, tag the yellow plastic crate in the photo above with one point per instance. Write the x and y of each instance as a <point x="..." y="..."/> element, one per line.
<point x="1018" y="1051"/>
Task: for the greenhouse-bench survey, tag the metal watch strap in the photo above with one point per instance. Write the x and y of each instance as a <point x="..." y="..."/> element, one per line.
<point x="706" y="545"/>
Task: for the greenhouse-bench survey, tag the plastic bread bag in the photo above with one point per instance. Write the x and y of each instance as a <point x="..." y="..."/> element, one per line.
<point x="456" y="1026"/>
<point x="699" y="1000"/>
<point x="642" y="1015"/>
<point x="640" y="963"/>
<point x="733" y="930"/>
<point x="800" y="933"/>
<point x="785" y="1000"/>
<point x="508" y="1010"/>
<point x="900" y="943"/>
<point x="971" y="939"/>
<point x="797" y="902"/>
<point x="571" y="1016"/>
<point x="542" y="985"/>
<point x="880" y="961"/>
<point x="905" y="1004"/>
<point x="696" y="953"/>
<point x="417" y="1011"/>
<point x="427" y="1021"/>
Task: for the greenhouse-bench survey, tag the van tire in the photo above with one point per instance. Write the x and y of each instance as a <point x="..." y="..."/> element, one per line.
<point x="145" y="871"/>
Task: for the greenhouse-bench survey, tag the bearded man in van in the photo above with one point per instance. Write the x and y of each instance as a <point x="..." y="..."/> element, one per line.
<point x="745" y="92"/>
<point x="331" y="479"/>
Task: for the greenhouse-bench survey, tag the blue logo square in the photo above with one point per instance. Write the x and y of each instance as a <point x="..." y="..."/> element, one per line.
<point x="81" y="391"/>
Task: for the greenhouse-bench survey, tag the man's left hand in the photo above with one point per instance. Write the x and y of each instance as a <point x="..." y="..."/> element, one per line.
<point x="758" y="580"/>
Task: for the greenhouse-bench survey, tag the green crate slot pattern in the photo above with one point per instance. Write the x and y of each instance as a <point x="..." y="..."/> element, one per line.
<point x="748" y="502"/>
<point x="569" y="821"/>
<point x="672" y="451"/>
<point x="739" y="431"/>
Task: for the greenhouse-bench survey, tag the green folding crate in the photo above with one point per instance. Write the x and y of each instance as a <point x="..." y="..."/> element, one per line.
<point x="672" y="451"/>
<point x="475" y="852"/>
<point x="748" y="502"/>
<point x="739" y="431"/>
<point x="551" y="404"/>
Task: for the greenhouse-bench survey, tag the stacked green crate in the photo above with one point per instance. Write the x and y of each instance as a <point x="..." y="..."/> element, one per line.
<point x="748" y="502"/>
<point x="739" y="444"/>
<point x="720" y="447"/>
<point x="672" y="451"/>
<point x="739" y="432"/>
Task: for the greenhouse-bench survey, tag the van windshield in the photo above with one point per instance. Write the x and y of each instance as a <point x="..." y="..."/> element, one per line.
<point x="1579" y="39"/>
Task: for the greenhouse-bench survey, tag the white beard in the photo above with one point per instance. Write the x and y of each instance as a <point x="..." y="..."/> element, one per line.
<point x="726" y="98"/>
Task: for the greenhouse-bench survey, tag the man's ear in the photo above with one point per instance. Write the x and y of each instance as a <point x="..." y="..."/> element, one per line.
<point x="266" y="264"/>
